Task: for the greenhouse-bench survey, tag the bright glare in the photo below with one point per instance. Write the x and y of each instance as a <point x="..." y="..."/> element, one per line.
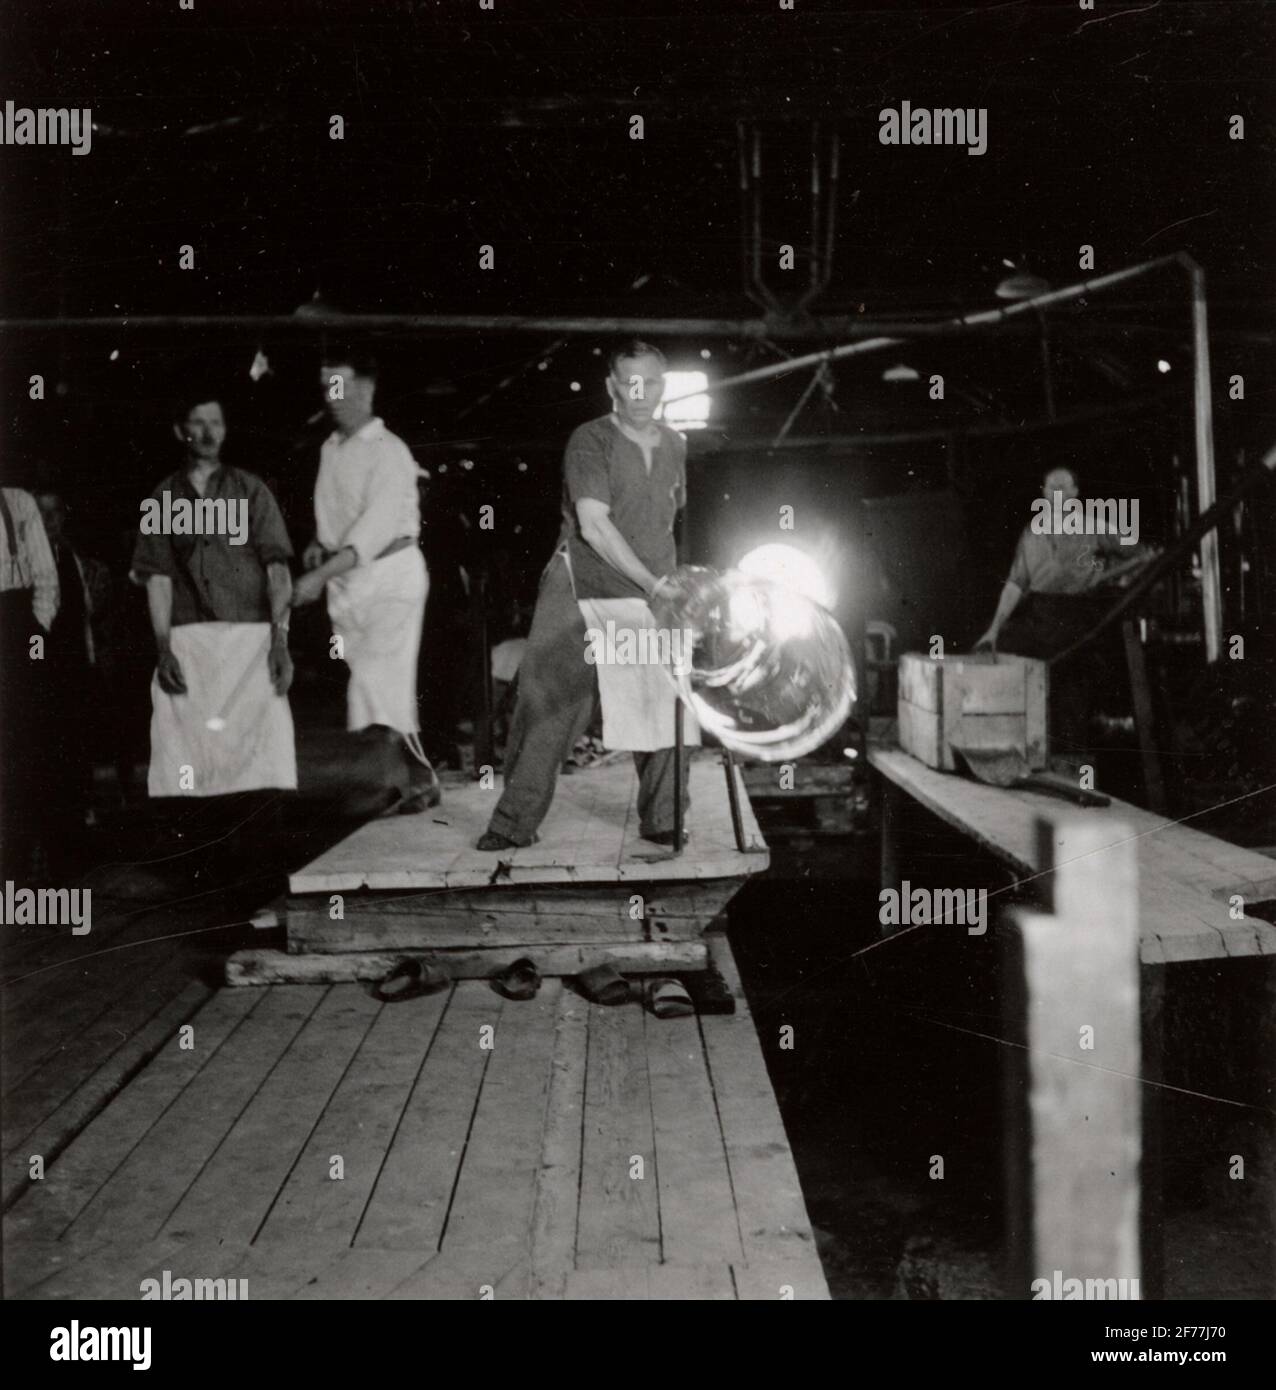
<point x="792" y="568"/>
<point x="690" y="413"/>
<point x="1162" y="365"/>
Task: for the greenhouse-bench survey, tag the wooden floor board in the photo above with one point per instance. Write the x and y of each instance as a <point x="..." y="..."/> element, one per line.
<point x="468" y="1173"/>
<point x="238" y="1185"/>
<point x="619" y="1220"/>
<point x="50" y="1206"/>
<point x="589" y="836"/>
<point x="154" y="1177"/>
<point x="493" y="1204"/>
<point x="80" y="1105"/>
<point x="410" y="1200"/>
<point x="769" y="1203"/>
<point x="358" y="1125"/>
<point x="697" y="1210"/>
<point x="63" y="1071"/>
<point x="558" y="1179"/>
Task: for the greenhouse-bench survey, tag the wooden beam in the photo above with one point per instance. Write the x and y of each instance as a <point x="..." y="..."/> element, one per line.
<point x="1081" y="973"/>
<point x="259" y="967"/>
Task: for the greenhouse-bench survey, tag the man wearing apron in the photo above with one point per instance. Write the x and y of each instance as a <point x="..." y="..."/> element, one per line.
<point x="624" y="481"/>
<point x="217" y="587"/>
<point x="365" y="551"/>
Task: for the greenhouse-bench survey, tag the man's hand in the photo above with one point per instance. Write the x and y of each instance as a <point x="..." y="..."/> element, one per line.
<point x="280" y="664"/>
<point x="988" y="642"/>
<point x="169" y="671"/>
<point x="306" y="589"/>
<point x="313" y="556"/>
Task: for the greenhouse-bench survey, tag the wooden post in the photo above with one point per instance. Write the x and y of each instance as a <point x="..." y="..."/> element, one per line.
<point x="1144" y="725"/>
<point x="1203" y="401"/>
<point x="892" y="812"/>
<point x="1079" y="1219"/>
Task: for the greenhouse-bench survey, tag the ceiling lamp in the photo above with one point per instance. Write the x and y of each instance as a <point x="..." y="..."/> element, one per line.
<point x="1022" y="285"/>
<point x="901" y="371"/>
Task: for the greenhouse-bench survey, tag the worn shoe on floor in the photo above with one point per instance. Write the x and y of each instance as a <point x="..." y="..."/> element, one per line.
<point x="521" y="980"/>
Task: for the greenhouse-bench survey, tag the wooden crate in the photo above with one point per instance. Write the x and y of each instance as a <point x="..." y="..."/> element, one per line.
<point x="975" y="702"/>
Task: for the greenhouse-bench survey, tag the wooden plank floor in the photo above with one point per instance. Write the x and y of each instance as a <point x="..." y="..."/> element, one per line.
<point x="1186" y="878"/>
<point x="590" y="836"/>
<point x="315" y="1143"/>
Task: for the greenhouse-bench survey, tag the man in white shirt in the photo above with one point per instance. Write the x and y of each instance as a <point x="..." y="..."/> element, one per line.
<point x="366" y="553"/>
<point x="29" y="599"/>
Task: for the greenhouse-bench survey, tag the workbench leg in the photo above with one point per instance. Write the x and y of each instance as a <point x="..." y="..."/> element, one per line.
<point x="1144" y="724"/>
<point x="1152" y="1172"/>
<point x="892" y="816"/>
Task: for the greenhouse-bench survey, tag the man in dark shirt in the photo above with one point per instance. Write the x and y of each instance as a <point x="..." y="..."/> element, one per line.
<point x="624" y="481"/>
<point x="213" y="552"/>
<point x="74" y="692"/>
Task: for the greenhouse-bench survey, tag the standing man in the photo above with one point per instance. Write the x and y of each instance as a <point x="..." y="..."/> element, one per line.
<point x="213" y="552"/>
<point x="1052" y="597"/>
<point x="624" y="482"/>
<point x="29" y="601"/>
<point x="365" y="551"/>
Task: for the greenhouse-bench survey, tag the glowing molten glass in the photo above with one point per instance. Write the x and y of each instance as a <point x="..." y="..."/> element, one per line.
<point x="770" y="674"/>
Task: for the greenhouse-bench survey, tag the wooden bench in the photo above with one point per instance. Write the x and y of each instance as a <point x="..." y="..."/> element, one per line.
<point x="1187" y="880"/>
<point x="1191" y="893"/>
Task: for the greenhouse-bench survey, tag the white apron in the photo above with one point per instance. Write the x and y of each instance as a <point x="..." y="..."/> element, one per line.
<point x="377" y="611"/>
<point x="635" y="689"/>
<point x="249" y="745"/>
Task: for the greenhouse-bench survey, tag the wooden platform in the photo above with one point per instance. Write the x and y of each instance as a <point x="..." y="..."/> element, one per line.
<point x="591" y="891"/>
<point x="318" y="1144"/>
<point x="590" y="836"/>
<point x="1186" y="878"/>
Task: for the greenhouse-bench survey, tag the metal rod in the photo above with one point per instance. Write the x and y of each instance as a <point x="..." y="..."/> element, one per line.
<point x="983" y="318"/>
<point x="1211" y="593"/>
<point x="1260" y="473"/>
<point x="797" y="409"/>
<point x="679" y="774"/>
<point x="733" y="800"/>
<point x="834" y="325"/>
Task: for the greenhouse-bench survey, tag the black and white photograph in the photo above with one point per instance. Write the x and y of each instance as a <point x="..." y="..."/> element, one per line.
<point x="638" y="664"/>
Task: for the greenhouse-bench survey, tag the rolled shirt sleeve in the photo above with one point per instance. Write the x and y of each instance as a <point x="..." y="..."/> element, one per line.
<point x="585" y="468"/>
<point x="1019" y="574"/>
<point x="390" y="502"/>
<point x="266" y="526"/>
<point x="153" y="553"/>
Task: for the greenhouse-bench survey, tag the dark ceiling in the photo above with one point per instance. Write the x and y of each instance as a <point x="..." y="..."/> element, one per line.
<point x="1106" y="127"/>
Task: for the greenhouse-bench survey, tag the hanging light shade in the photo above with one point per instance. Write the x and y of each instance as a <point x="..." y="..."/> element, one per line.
<point x="901" y="371"/>
<point x="1022" y="285"/>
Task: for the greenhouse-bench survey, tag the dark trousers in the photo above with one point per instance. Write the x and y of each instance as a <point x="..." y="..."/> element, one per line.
<point x="23" y="750"/>
<point x="1044" y="624"/>
<point x="557" y="699"/>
